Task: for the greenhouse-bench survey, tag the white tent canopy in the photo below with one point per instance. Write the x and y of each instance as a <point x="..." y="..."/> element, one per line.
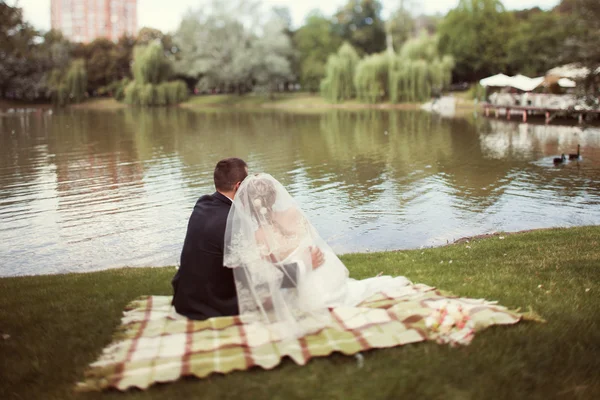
<point x="566" y="83"/>
<point x="496" y="80"/>
<point x="525" y="83"/>
<point x="520" y="82"/>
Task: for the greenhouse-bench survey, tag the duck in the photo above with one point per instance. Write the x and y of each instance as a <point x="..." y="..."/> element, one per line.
<point x="560" y="160"/>
<point x="576" y="156"/>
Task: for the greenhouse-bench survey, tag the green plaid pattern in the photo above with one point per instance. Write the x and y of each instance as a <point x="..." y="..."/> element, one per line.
<point x="153" y="346"/>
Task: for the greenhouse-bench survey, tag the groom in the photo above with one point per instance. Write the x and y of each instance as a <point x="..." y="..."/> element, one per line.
<point x="203" y="287"/>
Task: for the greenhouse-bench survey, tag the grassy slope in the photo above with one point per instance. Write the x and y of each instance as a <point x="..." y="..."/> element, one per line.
<point x="283" y="100"/>
<point x="59" y="324"/>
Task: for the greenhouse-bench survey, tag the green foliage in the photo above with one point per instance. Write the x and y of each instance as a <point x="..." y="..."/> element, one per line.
<point x="149" y="88"/>
<point x="534" y="46"/>
<point x="117" y="89"/>
<point x="399" y="27"/>
<point x="160" y="95"/>
<point x="477" y="92"/>
<point x="132" y="94"/>
<point x="149" y="95"/>
<point x="99" y="62"/>
<point x="148" y="35"/>
<point x="476" y="33"/>
<point x="150" y="64"/>
<point x="371" y="78"/>
<point x="359" y="22"/>
<point x="76" y="81"/>
<point x="419" y="71"/>
<point x="68" y="86"/>
<point x="22" y="69"/>
<point x="581" y="47"/>
<point x="338" y="84"/>
<point x="314" y="42"/>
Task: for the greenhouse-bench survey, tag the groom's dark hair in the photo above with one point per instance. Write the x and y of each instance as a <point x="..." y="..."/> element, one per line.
<point x="228" y="172"/>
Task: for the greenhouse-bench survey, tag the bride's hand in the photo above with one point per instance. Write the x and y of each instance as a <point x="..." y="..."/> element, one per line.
<point x="317" y="257"/>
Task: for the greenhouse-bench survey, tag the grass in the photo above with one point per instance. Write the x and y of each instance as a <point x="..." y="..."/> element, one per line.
<point x="284" y="100"/>
<point x="59" y="324"/>
<point x="100" y="103"/>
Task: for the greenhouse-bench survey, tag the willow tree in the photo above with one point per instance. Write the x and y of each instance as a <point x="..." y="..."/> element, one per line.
<point x="76" y="81"/>
<point x="371" y="78"/>
<point x="151" y="70"/>
<point x="338" y="84"/>
<point x="70" y="85"/>
<point x="419" y="71"/>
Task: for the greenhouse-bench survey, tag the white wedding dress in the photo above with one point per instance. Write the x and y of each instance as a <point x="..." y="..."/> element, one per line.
<point x="268" y="243"/>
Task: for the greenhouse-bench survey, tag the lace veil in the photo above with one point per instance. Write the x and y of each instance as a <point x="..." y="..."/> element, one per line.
<point x="268" y="242"/>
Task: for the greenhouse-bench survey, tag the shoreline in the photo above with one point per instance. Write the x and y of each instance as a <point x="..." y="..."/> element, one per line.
<point x="462" y="240"/>
<point x="294" y="101"/>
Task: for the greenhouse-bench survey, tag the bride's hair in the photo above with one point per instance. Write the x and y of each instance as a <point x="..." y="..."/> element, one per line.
<point x="262" y="195"/>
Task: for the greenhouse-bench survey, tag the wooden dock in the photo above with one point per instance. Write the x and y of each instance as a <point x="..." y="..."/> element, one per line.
<point x="525" y="111"/>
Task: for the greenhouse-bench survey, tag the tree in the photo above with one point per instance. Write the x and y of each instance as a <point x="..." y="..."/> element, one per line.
<point x="338" y="84"/>
<point x="581" y="47"/>
<point x="122" y="57"/>
<point x="147" y="35"/>
<point x="371" y="78"/>
<point x="21" y="66"/>
<point x="100" y="63"/>
<point x="272" y="51"/>
<point x="314" y="42"/>
<point x="225" y="45"/>
<point x="151" y="70"/>
<point x="476" y="34"/>
<point x="532" y="49"/>
<point x="150" y="64"/>
<point x="399" y="27"/>
<point x="68" y="85"/>
<point x="419" y="70"/>
<point x="359" y="22"/>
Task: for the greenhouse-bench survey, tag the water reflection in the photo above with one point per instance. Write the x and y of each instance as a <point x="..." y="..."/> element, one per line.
<point x="83" y="190"/>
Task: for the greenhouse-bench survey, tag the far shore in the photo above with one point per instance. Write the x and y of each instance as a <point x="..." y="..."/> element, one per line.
<point x="285" y="101"/>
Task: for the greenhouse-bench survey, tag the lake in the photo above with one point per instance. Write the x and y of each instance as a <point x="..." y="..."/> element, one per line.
<point x="84" y="190"/>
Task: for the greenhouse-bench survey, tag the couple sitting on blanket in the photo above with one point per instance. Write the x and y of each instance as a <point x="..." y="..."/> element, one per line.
<point x="249" y="250"/>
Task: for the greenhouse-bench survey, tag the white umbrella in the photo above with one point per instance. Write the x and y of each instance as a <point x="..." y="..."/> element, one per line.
<point x="496" y="80"/>
<point x="566" y="83"/>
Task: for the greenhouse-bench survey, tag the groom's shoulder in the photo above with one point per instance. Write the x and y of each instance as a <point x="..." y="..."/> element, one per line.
<point x="211" y="201"/>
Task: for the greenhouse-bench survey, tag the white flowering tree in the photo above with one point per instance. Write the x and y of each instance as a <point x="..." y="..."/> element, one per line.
<point x="229" y="45"/>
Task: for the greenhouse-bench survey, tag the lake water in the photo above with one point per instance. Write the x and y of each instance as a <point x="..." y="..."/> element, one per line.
<point x="88" y="190"/>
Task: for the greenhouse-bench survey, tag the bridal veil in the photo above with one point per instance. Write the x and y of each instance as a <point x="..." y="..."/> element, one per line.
<point x="269" y="243"/>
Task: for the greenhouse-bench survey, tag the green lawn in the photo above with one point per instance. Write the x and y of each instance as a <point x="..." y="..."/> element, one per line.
<point x="284" y="100"/>
<point x="59" y="324"/>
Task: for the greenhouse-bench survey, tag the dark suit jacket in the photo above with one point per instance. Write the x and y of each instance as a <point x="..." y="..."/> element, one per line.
<point x="203" y="287"/>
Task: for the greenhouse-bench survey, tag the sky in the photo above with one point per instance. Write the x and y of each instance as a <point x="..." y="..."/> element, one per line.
<point x="166" y="14"/>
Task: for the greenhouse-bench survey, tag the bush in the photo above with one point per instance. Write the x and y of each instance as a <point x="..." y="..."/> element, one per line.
<point x="371" y="78"/>
<point x="182" y="91"/>
<point x="160" y="95"/>
<point x="338" y="84"/>
<point x="132" y="94"/>
<point x="76" y="81"/>
<point x="60" y="95"/>
<point x="147" y="95"/>
<point x="119" y="89"/>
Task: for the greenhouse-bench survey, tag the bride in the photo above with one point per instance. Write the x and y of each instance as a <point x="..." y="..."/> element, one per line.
<point x="270" y="245"/>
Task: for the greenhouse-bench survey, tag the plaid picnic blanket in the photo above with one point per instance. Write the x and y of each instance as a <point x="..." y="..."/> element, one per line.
<point x="155" y="345"/>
